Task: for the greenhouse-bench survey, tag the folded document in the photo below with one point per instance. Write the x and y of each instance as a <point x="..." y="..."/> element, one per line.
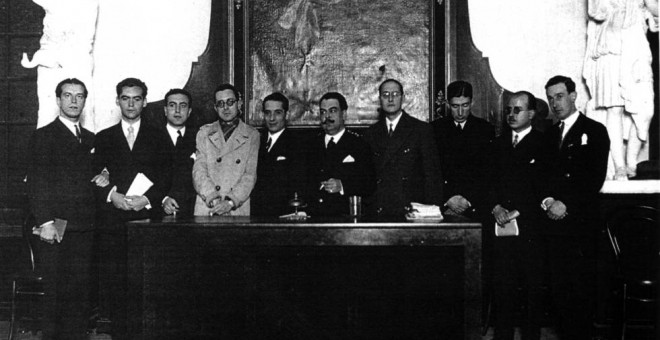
<point x="139" y="186"/>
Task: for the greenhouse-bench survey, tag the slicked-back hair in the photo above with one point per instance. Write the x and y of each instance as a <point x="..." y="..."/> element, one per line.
<point x="179" y="91"/>
<point x="531" y="100"/>
<point x="380" y="88"/>
<point x="276" y="97"/>
<point x="132" y="82"/>
<point x="223" y="87"/>
<point x="568" y="82"/>
<point x="73" y="81"/>
<point x="459" y="88"/>
<point x="343" y="105"/>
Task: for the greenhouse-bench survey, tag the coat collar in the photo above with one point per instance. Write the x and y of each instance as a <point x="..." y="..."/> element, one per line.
<point x="239" y="137"/>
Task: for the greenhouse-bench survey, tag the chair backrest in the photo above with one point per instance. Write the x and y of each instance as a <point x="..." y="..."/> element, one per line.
<point x="28" y="223"/>
<point x="635" y="235"/>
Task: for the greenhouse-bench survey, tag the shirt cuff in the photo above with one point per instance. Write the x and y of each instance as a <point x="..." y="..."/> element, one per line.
<point x="547" y="202"/>
<point x="114" y="189"/>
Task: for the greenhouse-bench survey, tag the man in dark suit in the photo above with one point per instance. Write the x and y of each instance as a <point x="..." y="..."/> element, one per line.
<point x="518" y="171"/>
<point x="180" y="197"/>
<point x="404" y="155"/>
<point x="463" y="143"/>
<point x="578" y="148"/>
<point x="59" y="187"/>
<point x="281" y="168"/>
<point x="340" y="162"/>
<point x="123" y="151"/>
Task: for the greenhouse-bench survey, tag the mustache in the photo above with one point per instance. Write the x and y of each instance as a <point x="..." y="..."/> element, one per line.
<point x="327" y="120"/>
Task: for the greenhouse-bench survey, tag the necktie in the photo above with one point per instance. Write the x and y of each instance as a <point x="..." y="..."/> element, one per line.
<point x="561" y="133"/>
<point x="179" y="138"/>
<point x="268" y="142"/>
<point x="78" y="133"/>
<point x="391" y="131"/>
<point x="459" y="128"/>
<point x="515" y="140"/>
<point x="131" y="137"/>
<point x="331" y="143"/>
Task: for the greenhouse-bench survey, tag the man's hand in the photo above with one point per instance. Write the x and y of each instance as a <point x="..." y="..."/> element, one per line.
<point x="170" y="205"/>
<point x="137" y="203"/>
<point x="500" y="214"/>
<point x="332" y="185"/>
<point x="458" y="204"/>
<point x="102" y="180"/>
<point x="557" y="210"/>
<point x="221" y="207"/>
<point x="119" y="201"/>
<point x="47" y="233"/>
<point x="211" y="198"/>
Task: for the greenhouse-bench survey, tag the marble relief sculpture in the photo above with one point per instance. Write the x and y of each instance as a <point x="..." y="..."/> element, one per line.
<point x="65" y="52"/>
<point x="617" y="70"/>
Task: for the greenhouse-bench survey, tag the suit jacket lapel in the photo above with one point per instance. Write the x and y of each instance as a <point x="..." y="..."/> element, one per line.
<point x="573" y="133"/>
<point x="237" y="138"/>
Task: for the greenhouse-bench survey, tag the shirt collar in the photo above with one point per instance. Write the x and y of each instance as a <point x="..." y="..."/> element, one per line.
<point x="136" y="127"/>
<point x="462" y="124"/>
<point x="336" y="137"/>
<point x="70" y="125"/>
<point x="394" y="122"/>
<point x="570" y="121"/>
<point x="522" y="133"/>
<point x="274" y="137"/>
<point x="171" y="130"/>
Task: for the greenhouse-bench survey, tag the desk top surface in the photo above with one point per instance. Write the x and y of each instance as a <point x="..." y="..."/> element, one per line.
<point x="450" y="222"/>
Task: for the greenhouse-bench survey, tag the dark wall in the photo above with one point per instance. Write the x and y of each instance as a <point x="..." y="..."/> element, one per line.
<point x="20" y="30"/>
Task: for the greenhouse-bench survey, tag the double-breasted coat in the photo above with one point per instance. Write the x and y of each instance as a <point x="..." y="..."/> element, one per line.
<point x="229" y="167"/>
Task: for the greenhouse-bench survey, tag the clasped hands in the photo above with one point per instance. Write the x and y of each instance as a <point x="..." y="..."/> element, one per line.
<point x="120" y="201"/>
<point x="217" y="204"/>
<point x="332" y="185"/>
<point x="457" y="205"/>
<point x="556" y="210"/>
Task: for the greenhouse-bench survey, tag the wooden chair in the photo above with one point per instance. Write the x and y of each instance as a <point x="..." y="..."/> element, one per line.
<point x="634" y="234"/>
<point x="26" y="283"/>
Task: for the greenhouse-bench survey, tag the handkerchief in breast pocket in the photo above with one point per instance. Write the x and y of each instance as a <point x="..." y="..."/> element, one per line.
<point x="281" y="158"/>
<point x="92" y="150"/>
<point x="193" y="156"/>
<point x="348" y="159"/>
<point x="585" y="139"/>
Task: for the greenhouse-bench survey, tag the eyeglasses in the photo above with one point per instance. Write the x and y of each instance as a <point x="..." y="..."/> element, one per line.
<point x="221" y="103"/>
<point x="386" y="95"/>
<point x="515" y="110"/>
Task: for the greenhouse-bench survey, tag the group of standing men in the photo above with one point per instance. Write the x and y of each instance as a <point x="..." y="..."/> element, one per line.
<point x="455" y="162"/>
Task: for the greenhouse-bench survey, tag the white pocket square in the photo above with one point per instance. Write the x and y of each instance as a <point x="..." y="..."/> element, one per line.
<point x="193" y="156"/>
<point x="585" y="139"/>
<point x="348" y="159"/>
<point x="532" y="161"/>
<point x="92" y="150"/>
<point x="280" y="158"/>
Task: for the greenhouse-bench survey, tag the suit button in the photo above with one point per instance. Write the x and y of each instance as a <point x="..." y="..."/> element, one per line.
<point x="322" y="170"/>
<point x="379" y="181"/>
<point x="238" y="161"/>
<point x="567" y="175"/>
<point x="217" y="188"/>
<point x="404" y="178"/>
<point x="219" y="159"/>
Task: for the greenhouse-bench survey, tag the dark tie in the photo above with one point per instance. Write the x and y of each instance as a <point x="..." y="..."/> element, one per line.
<point x="268" y="142"/>
<point x="178" y="139"/>
<point x="561" y="133"/>
<point x="515" y="140"/>
<point x="459" y="128"/>
<point x="78" y="133"/>
<point x="331" y="143"/>
<point x="391" y="131"/>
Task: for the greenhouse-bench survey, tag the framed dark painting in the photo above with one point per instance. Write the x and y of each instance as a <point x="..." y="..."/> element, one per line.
<point x="305" y="48"/>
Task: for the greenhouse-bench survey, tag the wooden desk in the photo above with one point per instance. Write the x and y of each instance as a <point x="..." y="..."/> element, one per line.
<point x="155" y="246"/>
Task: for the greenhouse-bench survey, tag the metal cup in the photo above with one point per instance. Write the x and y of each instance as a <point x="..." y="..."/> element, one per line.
<point x="355" y="206"/>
